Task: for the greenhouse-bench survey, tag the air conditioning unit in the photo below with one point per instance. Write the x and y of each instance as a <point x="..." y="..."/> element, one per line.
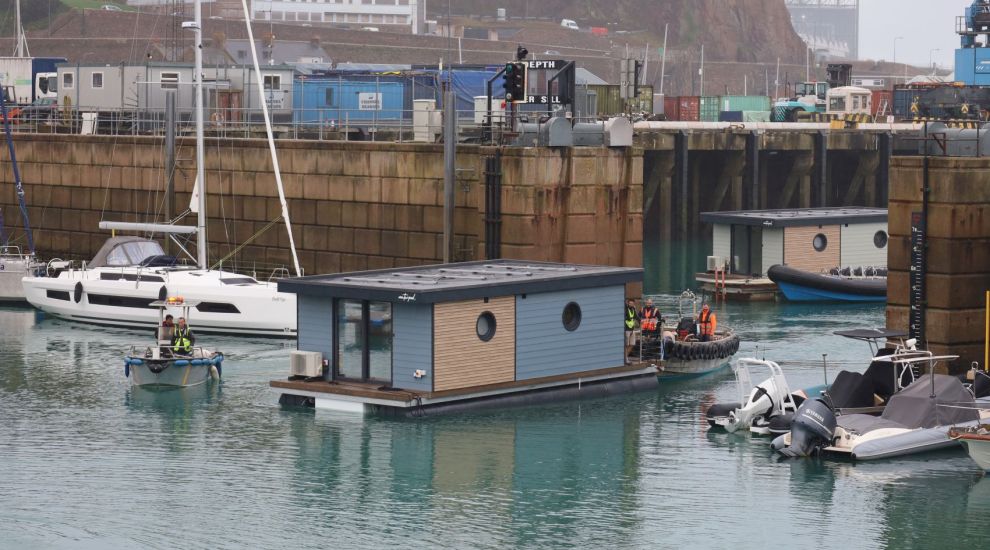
<point x="716" y="262"/>
<point x="306" y="363"/>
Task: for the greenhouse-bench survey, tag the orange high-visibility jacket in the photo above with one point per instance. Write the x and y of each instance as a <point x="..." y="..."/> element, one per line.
<point x="707" y="322"/>
<point x="651" y="317"/>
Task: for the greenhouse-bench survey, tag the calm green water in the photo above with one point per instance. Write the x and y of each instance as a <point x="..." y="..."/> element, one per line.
<point x="86" y="461"/>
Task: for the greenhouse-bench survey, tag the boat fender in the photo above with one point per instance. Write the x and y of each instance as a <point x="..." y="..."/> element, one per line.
<point x="127" y="368"/>
<point x="199" y="362"/>
<point x="182" y="363"/>
<point x="214" y="372"/>
<point x="709" y="350"/>
<point x="77" y="292"/>
<point x="163" y="293"/>
<point x="713" y="350"/>
<point x="704" y="351"/>
<point x="135" y="361"/>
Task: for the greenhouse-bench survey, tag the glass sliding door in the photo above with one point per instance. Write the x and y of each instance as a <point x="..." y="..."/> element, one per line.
<point x="380" y="342"/>
<point x="350" y="339"/>
<point x="364" y="341"/>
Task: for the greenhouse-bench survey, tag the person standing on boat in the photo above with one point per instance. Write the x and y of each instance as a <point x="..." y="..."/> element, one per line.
<point x="632" y="318"/>
<point x="707" y="323"/>
<point x="183" y="340"/>
<point x="650" y="319"/>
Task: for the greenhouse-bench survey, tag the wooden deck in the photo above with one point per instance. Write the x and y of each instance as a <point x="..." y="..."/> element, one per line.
<point x="403" y="398"/>
<point x="740" y="288"/>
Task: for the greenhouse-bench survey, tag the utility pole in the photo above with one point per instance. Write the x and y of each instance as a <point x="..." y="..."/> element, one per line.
<point x="701" y="70"/>
<point x="21" y="47"/>
<point x="663" y="59"/>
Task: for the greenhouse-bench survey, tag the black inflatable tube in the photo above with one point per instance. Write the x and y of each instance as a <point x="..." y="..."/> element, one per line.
<point x="858" y="287"/>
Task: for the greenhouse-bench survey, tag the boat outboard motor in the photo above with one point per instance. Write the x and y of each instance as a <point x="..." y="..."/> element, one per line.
<point x="813" y="428"/>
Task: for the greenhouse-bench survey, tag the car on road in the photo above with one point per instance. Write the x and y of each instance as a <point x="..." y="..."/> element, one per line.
<point x="110" y="7"/>
<point x="42" y="110"/>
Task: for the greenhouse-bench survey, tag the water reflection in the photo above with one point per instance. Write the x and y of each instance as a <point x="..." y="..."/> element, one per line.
<point x="566" y="473"/>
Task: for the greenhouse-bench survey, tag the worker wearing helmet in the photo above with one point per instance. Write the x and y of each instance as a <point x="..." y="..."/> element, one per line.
<point x="707" y="323"/>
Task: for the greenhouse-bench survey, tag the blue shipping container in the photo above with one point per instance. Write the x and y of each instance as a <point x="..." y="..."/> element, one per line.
<point x="346" y="99"/>
<point x="730" y="116"/>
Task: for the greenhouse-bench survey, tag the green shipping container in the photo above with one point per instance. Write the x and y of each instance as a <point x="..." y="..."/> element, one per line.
<point x="745" y="103"/>
<point x="756" y="116"/>
<point x="611" y="104"/>
<point x="710" y="109"/>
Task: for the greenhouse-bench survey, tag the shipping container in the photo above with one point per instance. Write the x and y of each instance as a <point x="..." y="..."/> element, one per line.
<point x="610" y="102"/>
<point x="709" y="108"/>
<point x="903" y="98"/>
<point x="883" y="102"/>
<point x="347" y="99"/>
<point x="730" y="116"/>
<point x="672" y="108"/>
<point x="745" y="103"/>
<point x="689" y="108"/>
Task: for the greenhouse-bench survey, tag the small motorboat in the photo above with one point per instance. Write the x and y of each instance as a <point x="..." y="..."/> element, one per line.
<point x="976" y="440"/>
<point x="845" y="285"/>
<point x="160" y="365"/>
<point x="768" y="407"/>
<point x="680" y="350"/>
<point x="917" y="419"/>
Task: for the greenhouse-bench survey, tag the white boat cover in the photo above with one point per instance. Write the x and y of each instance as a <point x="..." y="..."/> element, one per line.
<point x="913" y="407"/>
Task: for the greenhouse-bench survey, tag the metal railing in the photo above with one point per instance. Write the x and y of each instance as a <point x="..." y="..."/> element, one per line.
<point x="390" y="125"/>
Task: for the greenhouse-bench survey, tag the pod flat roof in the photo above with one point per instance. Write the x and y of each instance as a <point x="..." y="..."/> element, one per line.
<point x="798" y="217"/>
<point x="460" y="281"/>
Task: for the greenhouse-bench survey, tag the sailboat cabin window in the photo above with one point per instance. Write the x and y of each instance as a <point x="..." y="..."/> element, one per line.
<point x="170" y="81"/>
<point x="133" y="253"/>
<point x="68" y="81"/>
<point x="273" y="82"/>
<point x="97" y="81"/>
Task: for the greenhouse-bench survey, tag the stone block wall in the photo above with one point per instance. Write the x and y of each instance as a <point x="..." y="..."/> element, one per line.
<point x="353" y="205"/>
<point x="958" y="259"/>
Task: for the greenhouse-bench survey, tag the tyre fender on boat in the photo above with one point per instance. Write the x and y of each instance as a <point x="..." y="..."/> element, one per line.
<point x="77" y="292"/>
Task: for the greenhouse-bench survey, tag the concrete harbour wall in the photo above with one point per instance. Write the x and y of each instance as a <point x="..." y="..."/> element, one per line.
<point x="354" y="205"/>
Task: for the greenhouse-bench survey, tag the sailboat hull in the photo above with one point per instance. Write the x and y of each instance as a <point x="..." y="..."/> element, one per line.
<point x="243" y="310"/>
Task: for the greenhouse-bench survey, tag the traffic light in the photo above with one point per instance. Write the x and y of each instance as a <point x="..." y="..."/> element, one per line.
<point x="515" y="82"/>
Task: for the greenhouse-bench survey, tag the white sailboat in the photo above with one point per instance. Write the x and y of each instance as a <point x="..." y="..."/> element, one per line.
<point x="129" y="273"/>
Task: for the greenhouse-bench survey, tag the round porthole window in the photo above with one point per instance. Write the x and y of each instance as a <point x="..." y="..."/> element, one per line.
<point x="820" y="243"/>
<point x="880" y="239"/>
<point x="571" y="317"/>
<point x="486" y="326"/>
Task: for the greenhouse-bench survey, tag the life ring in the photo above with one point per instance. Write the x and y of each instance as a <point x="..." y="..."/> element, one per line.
<point x="77" y="292"/>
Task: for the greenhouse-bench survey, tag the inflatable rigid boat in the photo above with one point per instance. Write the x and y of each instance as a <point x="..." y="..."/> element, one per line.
<point x="917" y="419"/>
<point x="803" y="286"/>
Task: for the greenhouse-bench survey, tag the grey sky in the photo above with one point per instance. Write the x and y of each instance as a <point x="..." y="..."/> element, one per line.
<point x="924" y="24"/>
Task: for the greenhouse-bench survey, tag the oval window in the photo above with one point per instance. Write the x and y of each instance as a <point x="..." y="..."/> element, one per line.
<point x="820" y="243"/>
<point x="880" y="239"/>
<point x="486" y="326"/>
<point x="571" y="317"/>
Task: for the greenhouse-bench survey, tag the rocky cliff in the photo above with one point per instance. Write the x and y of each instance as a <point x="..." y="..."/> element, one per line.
<point x="731" y="30"/>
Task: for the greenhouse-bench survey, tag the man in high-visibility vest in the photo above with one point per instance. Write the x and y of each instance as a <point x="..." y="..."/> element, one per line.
<point x="183" y="338"/>
<point x="630" y="322"/>
<point x="650" y="319"/>
<point x="707" y="323"/>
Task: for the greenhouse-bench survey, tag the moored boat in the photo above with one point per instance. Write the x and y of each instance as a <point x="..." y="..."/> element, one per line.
<point x="976" y="440"/>
<point x="803" y="286"/>
<point x="14" y="266"/>
<point x="681" y="350"/>
<point x="167" y="363"/>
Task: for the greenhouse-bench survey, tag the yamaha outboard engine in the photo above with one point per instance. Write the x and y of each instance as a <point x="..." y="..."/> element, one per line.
<point x="813" y="428"/>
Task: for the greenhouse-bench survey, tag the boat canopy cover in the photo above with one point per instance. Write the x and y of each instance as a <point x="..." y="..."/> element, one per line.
<point x="871" y="333"/>
<point x="913" y="407"/>
<point x="126" y="251"/>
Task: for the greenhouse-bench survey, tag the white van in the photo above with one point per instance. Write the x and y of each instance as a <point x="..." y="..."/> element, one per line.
<point x="570" y="24"/>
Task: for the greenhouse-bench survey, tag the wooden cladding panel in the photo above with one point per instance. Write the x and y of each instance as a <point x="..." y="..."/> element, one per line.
<point x="460" y="358"/>
<point x="800" y="253"/>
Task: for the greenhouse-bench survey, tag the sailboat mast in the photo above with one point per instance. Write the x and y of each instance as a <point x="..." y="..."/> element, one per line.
<point x="271" y="138"/>
<point x="201" y="258"/>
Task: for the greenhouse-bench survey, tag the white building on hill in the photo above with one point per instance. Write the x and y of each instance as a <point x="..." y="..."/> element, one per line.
<point x="370" y="14"/>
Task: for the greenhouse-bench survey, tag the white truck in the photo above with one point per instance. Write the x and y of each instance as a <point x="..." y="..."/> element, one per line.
<point x="27" y="79"/>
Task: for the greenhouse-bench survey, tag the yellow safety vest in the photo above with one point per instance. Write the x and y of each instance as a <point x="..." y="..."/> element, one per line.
<point x="182" y="342"/>
<point x="630" y="318"/>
